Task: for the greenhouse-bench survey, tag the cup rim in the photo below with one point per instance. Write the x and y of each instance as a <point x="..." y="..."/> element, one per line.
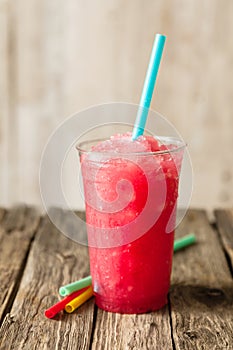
<point x="170" y="140"/>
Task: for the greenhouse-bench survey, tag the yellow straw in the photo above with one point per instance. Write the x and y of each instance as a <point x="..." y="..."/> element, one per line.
<point x="76" y="302"/>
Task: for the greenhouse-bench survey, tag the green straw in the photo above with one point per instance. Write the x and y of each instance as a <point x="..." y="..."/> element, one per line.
<point x="75" y="286"/>
<point x="85" y="282"/>
<point x="149" y="84"/>
<point x="184" y="242"/>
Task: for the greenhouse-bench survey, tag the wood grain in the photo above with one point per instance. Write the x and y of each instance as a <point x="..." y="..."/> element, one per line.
<point x="2" y="213"/>
<point x="126" y="332"/>
<point x="4" y="100"/>
<point x="199" y="315"/>
<point x="202" y="290"/>
<point x="15" y="218"/>
<point x="224" y="220"/>
<point x="53" y="261"/>
<point x="48" y="73"/>
<point x="17" y="230"/>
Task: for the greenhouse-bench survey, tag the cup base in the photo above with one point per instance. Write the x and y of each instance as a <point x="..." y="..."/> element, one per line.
<point x="107" y="305"/>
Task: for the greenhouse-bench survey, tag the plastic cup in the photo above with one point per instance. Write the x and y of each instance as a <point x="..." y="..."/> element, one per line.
<point x="131" y="201"/>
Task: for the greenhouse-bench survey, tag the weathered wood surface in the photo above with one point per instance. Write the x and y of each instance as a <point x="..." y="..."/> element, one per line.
<point x="202" y="290"/>
<point x="53" y="261"/>
<point x="126" y="332"/>
<point x="18" y="227"/>
<point x="4" y="100"/>
<point x="198" y="316"/>
<point x="2" y="212"/>
<point x="225" y="227"/>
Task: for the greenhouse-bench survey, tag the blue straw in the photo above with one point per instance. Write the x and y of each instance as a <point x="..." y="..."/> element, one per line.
<point x="149" y="84"/>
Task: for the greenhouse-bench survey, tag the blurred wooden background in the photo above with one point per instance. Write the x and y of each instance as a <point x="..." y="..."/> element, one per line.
<point x="58" y="57"/>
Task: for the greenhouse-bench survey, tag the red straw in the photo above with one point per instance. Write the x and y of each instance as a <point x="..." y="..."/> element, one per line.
<point x="53" y="310"/>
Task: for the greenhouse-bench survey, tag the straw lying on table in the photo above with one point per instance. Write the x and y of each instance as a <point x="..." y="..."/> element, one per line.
<point x="72" y="301"/>
<point x="69" y="288"/>
<point x="184" y="242"/>
<point x="78" y="301"/>
<point x="80" y="291"/>
<point x="53" y="310"/>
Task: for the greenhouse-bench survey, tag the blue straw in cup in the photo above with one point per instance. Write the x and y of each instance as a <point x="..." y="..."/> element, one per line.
<point x="149" y="84"/>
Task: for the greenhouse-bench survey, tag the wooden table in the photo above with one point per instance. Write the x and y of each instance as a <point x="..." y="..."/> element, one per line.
<point x="35" y="259"/>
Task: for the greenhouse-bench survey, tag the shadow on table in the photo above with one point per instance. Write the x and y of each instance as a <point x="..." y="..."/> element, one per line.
<point x="201" y="297"/>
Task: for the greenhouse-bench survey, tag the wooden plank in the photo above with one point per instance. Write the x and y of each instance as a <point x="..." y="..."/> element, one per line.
<point x="15" y="241"/>
<point x="224" y="220"/>
<point x="47" y="72"/>
<point x="12" y="182"/>
<point x="53" y="261"/>
<point x="124" y="332"/>
<point x="39" y="104"/>
<point x="202" y="290"/>
<point x="15" y="218"/>
<point x="2" y="213"/>
<point x="4" y="101"/>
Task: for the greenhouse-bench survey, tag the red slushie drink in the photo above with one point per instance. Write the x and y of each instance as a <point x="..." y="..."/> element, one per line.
<point x="131" y="190"/>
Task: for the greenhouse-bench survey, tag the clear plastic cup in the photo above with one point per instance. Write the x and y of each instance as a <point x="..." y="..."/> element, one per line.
<point x="131" y="200"/>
